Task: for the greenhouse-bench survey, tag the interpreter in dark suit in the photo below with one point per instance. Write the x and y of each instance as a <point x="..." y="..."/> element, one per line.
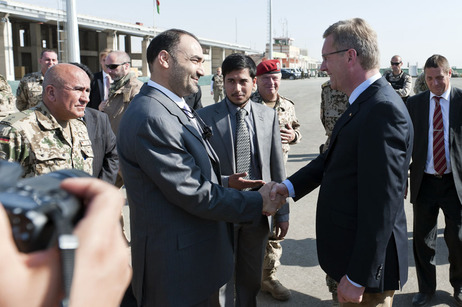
<point x="103" y="143"/>
<point x="435" y="177"/>
<point x="99" y="87"/>
<point x="361" y="230"/>
<point x="181" y="243"/>
<point x="266" y="163"/>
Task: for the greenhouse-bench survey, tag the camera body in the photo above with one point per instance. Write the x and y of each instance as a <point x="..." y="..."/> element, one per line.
<point x="36" y="206"/>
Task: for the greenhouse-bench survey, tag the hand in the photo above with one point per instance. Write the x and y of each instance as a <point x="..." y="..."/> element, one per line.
<point x="279" y="189"/>
<point x="347" y="292"/>
<point x="211" y="92"/>
<point x="287" y="134"/>
<point x="271" y="206"/>
<point x="102" y="105"/>
<point x="103" y="256"/>
<point x="281" y="229"/>
<point x="237" y="181"/>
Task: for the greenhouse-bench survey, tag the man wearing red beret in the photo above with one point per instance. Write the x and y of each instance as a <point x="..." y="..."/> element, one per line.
<point x="268" y="80"/>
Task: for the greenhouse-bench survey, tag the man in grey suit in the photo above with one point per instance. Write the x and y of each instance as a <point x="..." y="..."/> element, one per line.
<point x="182" y="250"/>
<point x="436" y="173"/>
<point x="267" y="164"/>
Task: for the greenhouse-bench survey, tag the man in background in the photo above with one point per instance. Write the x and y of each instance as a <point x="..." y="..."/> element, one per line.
<point x="217" y="86"/>
<point x="29" y="92"/>
<point x="101" y="82"/>
<point x="399" y="80"/>
<point x="268" y="81"/>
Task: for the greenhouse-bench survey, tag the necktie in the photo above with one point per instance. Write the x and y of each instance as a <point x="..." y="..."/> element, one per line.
<point x="242" y="144"/>
<point x="107" y="85"/>
<point x="439" y="155"/>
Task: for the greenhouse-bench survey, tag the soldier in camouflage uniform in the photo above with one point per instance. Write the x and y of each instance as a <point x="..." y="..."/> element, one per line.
<point x="268" y="80"/>
<point x="333" y="104"/>
<point x="7" y="100"/>
<point x="216" y="87"/>
<point x="51" y="136"/>
<point x="420" y="84"/>
<point x="29" y="92"/>
<point x="398" y="79"/>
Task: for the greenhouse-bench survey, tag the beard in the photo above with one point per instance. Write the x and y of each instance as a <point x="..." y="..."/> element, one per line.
<point x="181" y="81"/>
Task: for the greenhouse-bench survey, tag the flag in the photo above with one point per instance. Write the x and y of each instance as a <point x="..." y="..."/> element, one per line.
<point x="158" y="6"/>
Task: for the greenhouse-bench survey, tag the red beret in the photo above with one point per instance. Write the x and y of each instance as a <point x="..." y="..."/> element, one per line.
<point x="268" y="67"/>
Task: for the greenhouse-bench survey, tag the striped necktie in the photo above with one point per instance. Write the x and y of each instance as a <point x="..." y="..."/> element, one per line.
<point x="439" y="154"/>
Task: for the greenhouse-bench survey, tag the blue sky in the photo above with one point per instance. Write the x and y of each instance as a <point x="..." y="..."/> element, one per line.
<point x="414" y="29"/>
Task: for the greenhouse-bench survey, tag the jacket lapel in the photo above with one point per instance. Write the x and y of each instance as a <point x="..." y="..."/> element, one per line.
<point x="223" y="124"/>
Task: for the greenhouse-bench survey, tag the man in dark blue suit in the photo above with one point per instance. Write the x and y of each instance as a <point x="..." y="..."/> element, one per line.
<point x="436" y="173"/>
<point x="360" y="224"/>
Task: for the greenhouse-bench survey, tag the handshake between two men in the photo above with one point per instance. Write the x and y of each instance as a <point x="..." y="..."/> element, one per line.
<point x="274" y="194"/>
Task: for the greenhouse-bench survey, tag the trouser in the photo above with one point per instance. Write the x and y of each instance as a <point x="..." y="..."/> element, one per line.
<point x="249" y="249"/>
<point x="273" y="253"/>
<point x="383" y="299"/>
<point x="436" y="193"/>
<point x="218" y="95"/>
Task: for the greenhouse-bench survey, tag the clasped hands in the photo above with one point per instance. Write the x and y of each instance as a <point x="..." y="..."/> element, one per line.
<point x="274" y="194"/>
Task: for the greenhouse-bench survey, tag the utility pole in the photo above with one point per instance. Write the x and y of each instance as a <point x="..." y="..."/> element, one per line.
<point x="270" y="29"/>
<point x="73" y="44"/>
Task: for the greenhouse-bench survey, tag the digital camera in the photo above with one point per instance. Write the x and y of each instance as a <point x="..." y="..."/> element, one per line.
<point x="37" y="207"/>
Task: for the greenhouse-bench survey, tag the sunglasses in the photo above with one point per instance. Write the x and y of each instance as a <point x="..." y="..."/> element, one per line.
<point x="114" y="66"/>
<point x="395" y="63"/>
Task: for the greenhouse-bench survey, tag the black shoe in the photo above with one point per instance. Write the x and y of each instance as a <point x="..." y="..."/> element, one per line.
<point x="421" y="299"/>
<point x="458" y="297"/>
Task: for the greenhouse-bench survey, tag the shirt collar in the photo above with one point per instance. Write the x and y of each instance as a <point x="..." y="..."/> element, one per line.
<point x="362" y="87"/>
<point x="176" y="99"/>
<point x="445" y="95"/>
<point x="233" y="108"/>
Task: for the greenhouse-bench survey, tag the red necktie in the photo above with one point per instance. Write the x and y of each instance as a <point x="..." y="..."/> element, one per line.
<point x="439" y="155"/>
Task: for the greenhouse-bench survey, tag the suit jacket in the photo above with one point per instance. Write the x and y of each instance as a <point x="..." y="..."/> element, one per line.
<point x="419" y="108"/>
<point x="268" y="147"/>
<point x="103" y="143"/>
<point x="97" y="90"/>
<point x="181" y="248"/>
<point x="360" y="220"/>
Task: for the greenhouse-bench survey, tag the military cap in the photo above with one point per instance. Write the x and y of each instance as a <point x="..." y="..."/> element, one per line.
<point x="269" y="67"/>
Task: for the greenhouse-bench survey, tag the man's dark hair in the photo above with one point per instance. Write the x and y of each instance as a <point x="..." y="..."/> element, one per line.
<point x="47" y="50"/>
<point x="85" y="69"/>
<point x="238" y="61"/>
<point x="168" y="41"/>
<point x="436" y="61"/>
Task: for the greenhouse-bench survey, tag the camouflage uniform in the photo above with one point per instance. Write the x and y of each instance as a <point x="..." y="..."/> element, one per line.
<point x="286" y="115"/>
<point x="7" y="99"/>
<point x="121" y="94"/>
<point x="217" y="88"/>
<point x="29" y="92"/>
<point x="40" y="144"/>
<point x="420" y="84"/>
<point x="333" y="104"/>
<point x="402" y="83"/>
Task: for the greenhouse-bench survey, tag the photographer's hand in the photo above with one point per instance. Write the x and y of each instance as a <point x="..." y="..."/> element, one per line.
<point x="103" y="256"/>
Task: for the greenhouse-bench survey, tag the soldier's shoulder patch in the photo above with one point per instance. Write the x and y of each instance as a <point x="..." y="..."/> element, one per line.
<point x="15" y="117"/>
<point x="286" y="99"/>
<point x="4" y="139"/>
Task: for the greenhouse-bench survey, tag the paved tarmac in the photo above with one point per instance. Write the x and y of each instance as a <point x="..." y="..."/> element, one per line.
<point x="299" y="270"/>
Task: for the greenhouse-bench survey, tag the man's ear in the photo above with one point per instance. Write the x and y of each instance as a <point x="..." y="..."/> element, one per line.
<point x="164" y="59"/>
<point x="50" y="92"/>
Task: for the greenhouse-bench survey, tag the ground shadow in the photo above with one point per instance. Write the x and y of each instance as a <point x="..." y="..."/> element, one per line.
<point x="302" y="157"/>
<point x="302" y="252"/>
<point x="297" y="299"/>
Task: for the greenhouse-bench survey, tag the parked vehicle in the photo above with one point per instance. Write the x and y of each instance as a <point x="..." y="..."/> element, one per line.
<point x="290" y="73"/>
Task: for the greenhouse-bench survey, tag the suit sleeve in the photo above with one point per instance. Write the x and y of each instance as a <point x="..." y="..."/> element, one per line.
<point x="167" y="154"/>
<point x="111" y="159"/>
<point x="384" y="142"/>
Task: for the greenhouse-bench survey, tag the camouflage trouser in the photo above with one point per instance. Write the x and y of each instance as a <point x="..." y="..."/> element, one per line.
<point x="273" y="254"/>
<point x="332" y="285"/>
<point x="218" y="95"/>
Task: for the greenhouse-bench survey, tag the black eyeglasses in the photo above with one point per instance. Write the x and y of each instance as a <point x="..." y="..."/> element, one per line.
<point x="338" y="51"/>
<point x="114" y="66"/>
<point x="395" y="63"/>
